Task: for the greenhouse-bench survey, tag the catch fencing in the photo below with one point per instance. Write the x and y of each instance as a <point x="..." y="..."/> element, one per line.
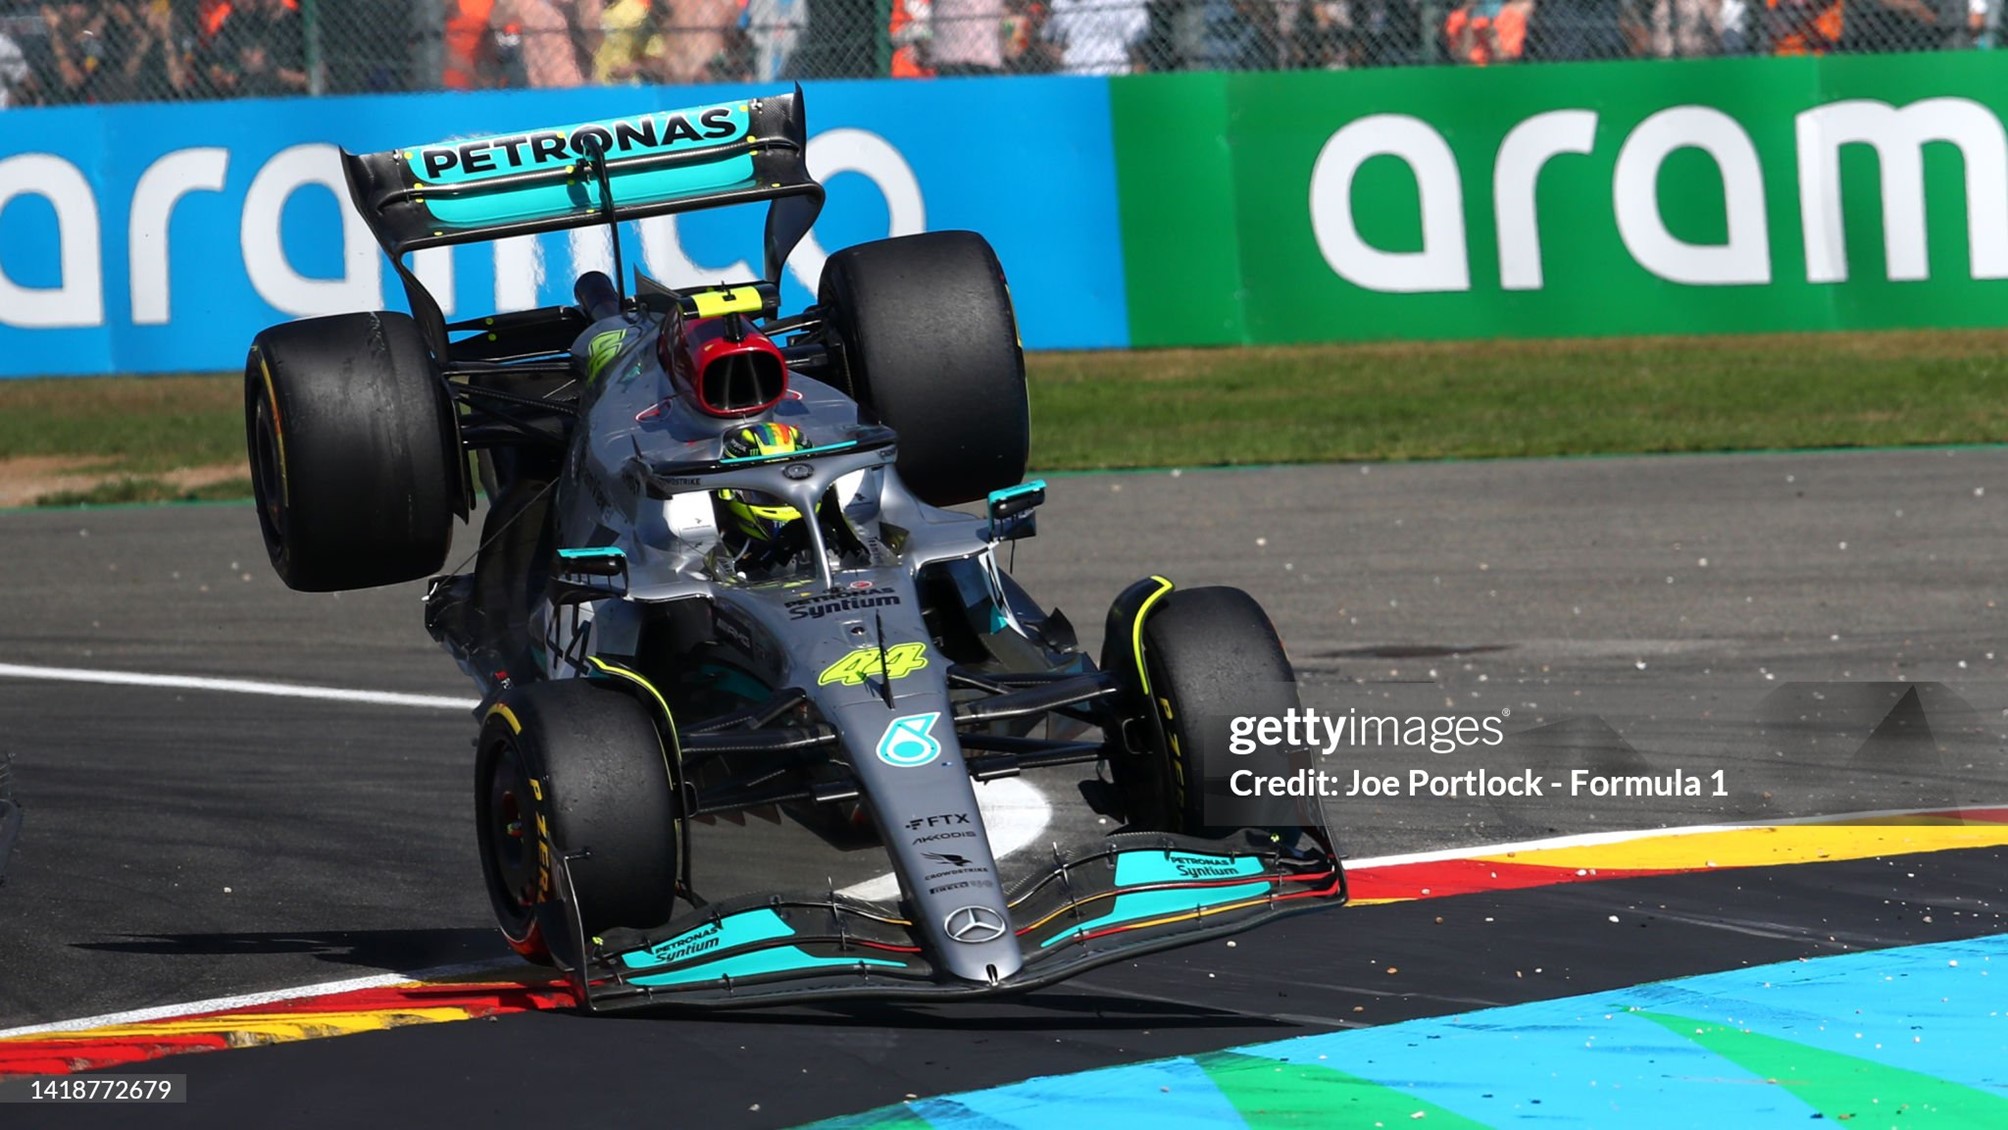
<point x="110" y="51"/>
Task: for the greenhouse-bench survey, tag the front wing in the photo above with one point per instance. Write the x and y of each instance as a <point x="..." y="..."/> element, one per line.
<point x="1128" y="895"/>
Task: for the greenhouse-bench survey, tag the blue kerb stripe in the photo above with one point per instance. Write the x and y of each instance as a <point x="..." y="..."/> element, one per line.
<point x="1565" y="1063"/>
<point x="1171" y="1094"/>
<point x="1939" y="1009"/>
<point x="1917" y="1008"/>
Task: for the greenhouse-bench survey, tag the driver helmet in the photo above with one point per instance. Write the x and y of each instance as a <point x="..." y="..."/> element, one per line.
<point x="754" y="518"/>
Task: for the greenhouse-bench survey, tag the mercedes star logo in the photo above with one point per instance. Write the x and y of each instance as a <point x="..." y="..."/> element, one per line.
<point x="974" y="924"/>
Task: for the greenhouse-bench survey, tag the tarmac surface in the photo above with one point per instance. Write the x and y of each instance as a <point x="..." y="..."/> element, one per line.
<point x="1658" y="613"/>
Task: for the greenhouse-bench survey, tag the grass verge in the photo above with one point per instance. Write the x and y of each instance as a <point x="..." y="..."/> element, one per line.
<point x="145" y="488"/>
<point x="1492" y="399"/>
<point x="1267" y="405"/>
<point x="134" y="425"/>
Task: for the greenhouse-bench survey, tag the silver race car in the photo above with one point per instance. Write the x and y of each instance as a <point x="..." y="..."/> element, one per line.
<point x="719" y="572"/>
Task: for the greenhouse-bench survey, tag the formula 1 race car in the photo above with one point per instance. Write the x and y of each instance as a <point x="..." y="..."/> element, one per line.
<point x="718" y="572"/>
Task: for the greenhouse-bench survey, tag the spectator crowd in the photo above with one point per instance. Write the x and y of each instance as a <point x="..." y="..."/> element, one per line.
<point x="137" y="50"/>
<point x="1500" y="31"/>
<point x="60" y="53"/>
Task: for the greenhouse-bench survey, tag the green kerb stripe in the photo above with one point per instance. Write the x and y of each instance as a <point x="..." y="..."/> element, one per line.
<point x="1843" y="1087"/>
<point x="1272" y="1093"/>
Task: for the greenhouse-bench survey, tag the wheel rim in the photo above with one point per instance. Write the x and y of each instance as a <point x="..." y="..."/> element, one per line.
<point x="509" y="842"/>
<point x="268" y="479"/>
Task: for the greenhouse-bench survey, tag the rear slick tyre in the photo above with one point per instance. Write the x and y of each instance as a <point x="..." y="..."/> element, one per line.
<point x="930" y="349"/>
<point x="355" y="452"/>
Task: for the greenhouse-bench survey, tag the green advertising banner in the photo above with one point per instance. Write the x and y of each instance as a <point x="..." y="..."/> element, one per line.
<point x="1701" y="196"/>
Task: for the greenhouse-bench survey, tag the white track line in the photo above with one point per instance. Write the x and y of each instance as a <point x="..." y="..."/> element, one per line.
<point x="248" y="1000"/>
<point x="1015" y="813"/>
<point x="235" y="686"/>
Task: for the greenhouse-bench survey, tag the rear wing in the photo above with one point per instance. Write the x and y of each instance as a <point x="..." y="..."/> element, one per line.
<point x="475" y="189"/>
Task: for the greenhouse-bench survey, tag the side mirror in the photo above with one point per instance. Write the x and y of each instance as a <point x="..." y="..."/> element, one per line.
<point x="1011" y="510"/>
<point x="592" y="573"/>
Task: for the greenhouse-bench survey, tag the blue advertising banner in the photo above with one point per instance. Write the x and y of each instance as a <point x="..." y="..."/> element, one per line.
<point x="160" y="238"/>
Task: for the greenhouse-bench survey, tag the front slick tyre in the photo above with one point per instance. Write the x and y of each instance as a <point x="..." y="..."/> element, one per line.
<point x="573" y="767"/>
<point x="1211" y="654"/>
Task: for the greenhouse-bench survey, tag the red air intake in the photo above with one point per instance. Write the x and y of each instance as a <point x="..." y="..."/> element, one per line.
<point x="723" y="366"/>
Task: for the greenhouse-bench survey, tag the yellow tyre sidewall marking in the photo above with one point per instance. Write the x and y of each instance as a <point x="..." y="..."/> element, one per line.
<point x="278" y="432"/>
